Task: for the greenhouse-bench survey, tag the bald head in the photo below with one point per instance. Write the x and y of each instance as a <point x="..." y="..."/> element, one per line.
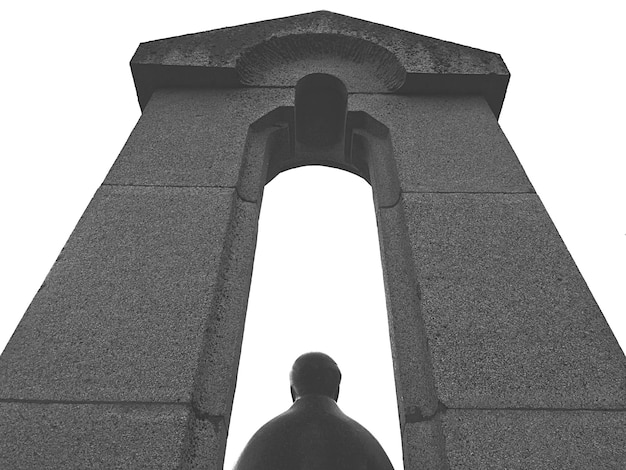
<point x="315" y="373"/>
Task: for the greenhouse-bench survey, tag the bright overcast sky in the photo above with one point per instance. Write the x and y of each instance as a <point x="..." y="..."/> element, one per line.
<point x="69" y="104"/>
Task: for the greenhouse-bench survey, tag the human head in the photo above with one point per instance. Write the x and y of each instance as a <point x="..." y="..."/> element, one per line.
<point x="315" y="373"/>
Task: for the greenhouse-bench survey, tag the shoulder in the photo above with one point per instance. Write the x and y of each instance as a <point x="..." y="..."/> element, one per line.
<point x="376" y="455"/>
<point x="320" y="436"/>
<point x="272" y="440"/>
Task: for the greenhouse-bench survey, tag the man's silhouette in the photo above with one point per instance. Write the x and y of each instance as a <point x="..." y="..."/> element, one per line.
<point x="313" y="434"/>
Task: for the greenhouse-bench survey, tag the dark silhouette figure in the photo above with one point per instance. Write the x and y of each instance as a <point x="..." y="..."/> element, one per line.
<point x="313" y="434"/>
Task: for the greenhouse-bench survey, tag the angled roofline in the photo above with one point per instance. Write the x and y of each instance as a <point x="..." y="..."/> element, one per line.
<point x="213" y="59"/>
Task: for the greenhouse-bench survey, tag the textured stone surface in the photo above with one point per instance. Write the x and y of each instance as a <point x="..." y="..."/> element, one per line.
<point x="423" y="445"/>
<point x="122" y="314"/>
<point x="539" y="440"/>
<point x="446" y="143"/>
<point x="282" y="61"/>
<point x="369" y="58"/>
<point x="55" y="436"/>
<point x="193" y="137"/>
<point x="222" y="47"/>
<point x="415" y="388"/>
<point x="205" y="443"/>
<point x="510" y="321"/>
<point x="217" y="369"/>
<point x="147" y="301"/>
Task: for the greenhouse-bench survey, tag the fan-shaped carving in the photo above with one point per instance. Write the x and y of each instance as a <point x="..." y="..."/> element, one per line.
<point x="360" y="64"/>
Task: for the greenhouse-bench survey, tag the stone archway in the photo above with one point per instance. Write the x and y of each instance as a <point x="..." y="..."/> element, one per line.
<point x="131" y="345"/>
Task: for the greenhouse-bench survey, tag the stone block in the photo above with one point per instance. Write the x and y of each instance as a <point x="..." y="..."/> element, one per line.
<point x="446" y="143"/>
<point x="537" y="439"/>
<point x="193" y="137"/>
<point x="424" y="445"/>
<point x="91" y="436"/>
<point x="123" y="314"/>
<point x="205" y="444"/>
<point x="415" y="387"/>
<point x="509" y="319"/>
<point x="217" y="368"/>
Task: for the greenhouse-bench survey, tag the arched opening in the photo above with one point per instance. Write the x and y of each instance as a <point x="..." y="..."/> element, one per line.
<point x="317" y="285"/>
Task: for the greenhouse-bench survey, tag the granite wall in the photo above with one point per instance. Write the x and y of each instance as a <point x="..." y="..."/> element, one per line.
<point x="127" y="356"/>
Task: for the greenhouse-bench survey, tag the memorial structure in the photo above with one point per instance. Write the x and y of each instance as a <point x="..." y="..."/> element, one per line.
<point x="127" y="356"/>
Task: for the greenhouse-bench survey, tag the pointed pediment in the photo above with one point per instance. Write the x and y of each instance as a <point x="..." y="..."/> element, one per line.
<point x="368" y="57"/>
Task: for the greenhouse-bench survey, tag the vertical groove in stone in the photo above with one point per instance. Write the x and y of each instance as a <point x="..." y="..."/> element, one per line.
<point x="413" y="370"/>
<point x="424" y="445"/>
<point x="415" y="382"/>
<point x="205" y="443"/>
<point x="216" y="375"/>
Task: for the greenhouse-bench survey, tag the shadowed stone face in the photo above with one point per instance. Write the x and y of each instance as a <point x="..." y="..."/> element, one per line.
<point x="313" y="434"/>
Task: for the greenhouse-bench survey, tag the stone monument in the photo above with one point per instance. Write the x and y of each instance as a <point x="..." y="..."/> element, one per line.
<point x="128" y="355"/>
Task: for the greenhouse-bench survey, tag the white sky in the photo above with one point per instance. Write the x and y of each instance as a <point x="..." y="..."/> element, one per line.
<point x="69" y="104"/>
